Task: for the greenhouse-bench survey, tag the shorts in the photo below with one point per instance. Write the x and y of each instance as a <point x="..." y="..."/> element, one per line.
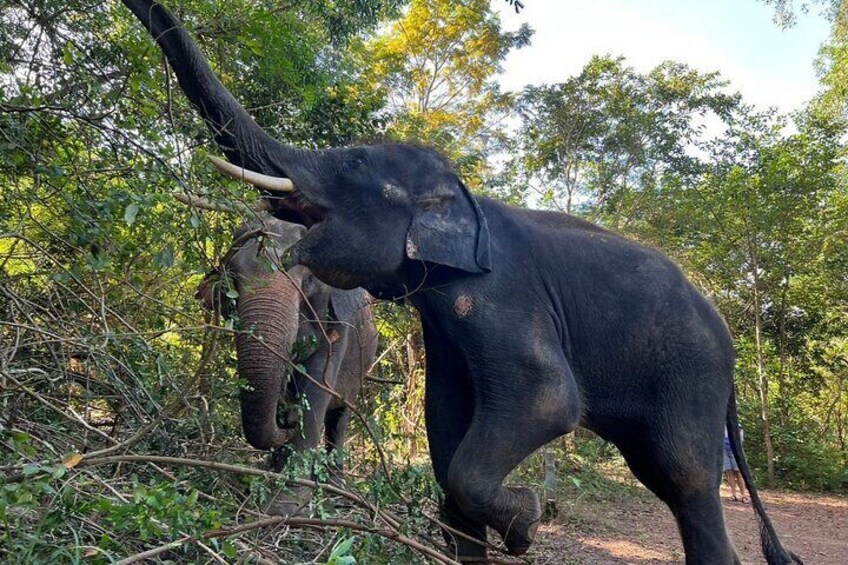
<point x="729" y="462"/>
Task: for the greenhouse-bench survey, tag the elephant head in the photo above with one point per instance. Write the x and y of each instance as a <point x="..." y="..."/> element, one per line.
<point x="267" y="306"/>
<point x="377" y="215"/>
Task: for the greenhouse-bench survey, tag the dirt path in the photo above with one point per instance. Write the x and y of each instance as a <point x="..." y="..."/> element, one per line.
<point x="641" y="531"/>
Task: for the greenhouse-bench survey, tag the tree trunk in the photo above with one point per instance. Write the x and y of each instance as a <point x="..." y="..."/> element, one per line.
<point x="761" y="370"/>
<point x="412" y="406"/>
<point x="550" y="510"/>
<point x="782" y="405"/>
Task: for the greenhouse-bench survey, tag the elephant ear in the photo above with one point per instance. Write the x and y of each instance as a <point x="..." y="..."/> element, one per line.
<point x="345" y="304"/>
<point x="449" y="228"/>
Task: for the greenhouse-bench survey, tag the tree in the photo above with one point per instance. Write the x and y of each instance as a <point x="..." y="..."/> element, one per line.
<point x="785" y="11"/>
<point x="438" y="65"/>
<point x="749" y="228"/>
<point x="606" y="138"/>
<point x="753" y="213"/>
<point x="832" y="61"/>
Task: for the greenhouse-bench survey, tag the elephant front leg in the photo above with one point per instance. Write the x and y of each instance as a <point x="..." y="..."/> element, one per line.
<point x="307" y="437"/>
<point x="448" y="408"/>
<point x="519" y="407"/>
<point x="335" y="430"/>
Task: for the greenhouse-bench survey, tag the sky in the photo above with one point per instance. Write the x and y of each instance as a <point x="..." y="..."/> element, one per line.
<point x="772" y="67"/>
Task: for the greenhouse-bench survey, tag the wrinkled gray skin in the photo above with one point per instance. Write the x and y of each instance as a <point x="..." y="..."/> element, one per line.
<point x="534" y="322"/>
<point x="278" y="309"/>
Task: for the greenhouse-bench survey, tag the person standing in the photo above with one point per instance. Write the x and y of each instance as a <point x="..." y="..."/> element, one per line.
<point x="731" y="470"/>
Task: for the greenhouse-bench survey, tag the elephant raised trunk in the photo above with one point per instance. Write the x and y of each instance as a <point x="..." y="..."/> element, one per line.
<point x="268" y="311"/>
<point x="244" y="142"/>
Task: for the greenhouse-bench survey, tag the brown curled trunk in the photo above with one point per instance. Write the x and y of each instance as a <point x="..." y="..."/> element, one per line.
<point x="268" y="310"/>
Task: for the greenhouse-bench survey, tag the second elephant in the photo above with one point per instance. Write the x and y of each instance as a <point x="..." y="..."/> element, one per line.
<point x="289" y="321"/>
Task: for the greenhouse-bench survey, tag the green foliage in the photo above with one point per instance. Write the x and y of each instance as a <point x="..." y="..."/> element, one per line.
<point x="602" y="140"/>
<point x="438" y="65"/>
<point x="754" y="232"/>
<point x="340" y="555"/>
<point x="786" y="11"/>
<point x="100" y="334"/>
<point x="156" y="508"/>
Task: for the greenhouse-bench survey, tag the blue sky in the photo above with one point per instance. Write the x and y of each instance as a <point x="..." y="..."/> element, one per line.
<point x="770" y="66"/>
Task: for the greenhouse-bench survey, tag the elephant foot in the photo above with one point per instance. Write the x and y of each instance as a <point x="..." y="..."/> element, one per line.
<point x="467" y="551"/>
<point x="471" y="550"/>
<point x="289" y="503"/>
<point x="521" y="530"/>
<point x="473" y="559"/>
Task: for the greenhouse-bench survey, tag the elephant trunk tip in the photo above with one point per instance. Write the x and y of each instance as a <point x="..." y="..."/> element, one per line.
<point x="267" y="439"/>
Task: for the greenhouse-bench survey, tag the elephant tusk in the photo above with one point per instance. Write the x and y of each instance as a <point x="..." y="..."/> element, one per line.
<point x="274" y="184"/>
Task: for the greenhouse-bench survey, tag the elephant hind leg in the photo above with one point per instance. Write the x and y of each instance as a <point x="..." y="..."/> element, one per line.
<point x="686" y="478"/>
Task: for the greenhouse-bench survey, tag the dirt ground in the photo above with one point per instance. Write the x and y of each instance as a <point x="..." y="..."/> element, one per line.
<point x="641" y="531"/>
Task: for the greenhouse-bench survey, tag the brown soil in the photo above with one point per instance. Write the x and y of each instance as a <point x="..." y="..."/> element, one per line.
<point x="641" y="531"/>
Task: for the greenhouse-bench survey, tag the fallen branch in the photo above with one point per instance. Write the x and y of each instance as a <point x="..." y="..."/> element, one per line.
<point x="76" y="419"/>
<point x="293" y="522"/>
<point x="383" y="381"/>
<point x="238" y="469"/>
<point x="389" y="519"/>
<point x="139" y="435"/>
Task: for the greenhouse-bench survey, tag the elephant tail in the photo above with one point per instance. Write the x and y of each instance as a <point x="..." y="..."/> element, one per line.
<point x="773" y="550"/>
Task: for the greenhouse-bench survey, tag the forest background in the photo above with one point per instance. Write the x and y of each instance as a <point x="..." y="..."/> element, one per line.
<point x="105" y="350"/>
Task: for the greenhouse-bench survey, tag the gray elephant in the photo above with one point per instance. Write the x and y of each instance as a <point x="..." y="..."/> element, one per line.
<point x="534" y="322"/>
<point x="279" y="310"/>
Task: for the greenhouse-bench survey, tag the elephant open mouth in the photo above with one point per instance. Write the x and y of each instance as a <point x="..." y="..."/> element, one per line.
<point x="297" y="208"/>
<point x="287" y="200"/>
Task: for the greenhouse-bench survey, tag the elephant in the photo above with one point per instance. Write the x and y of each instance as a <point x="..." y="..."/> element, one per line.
<point x="534" y="322"/>
<point x="279" y="310"/>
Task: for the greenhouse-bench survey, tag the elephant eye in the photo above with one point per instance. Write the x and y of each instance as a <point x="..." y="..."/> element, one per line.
<point x="434" y="201"/>
<point x="357" y="163"/>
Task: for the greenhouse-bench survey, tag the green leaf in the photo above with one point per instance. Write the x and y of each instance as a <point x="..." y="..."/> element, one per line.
<point x="229" y="550"/>
<point x="341" y="553"/>
<point x="165" y="258"/>
<point x="232" y="293"/>
<point x="68" y="54"/>
<point x="31" y="469"/>
<point x="130" y="212"/>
